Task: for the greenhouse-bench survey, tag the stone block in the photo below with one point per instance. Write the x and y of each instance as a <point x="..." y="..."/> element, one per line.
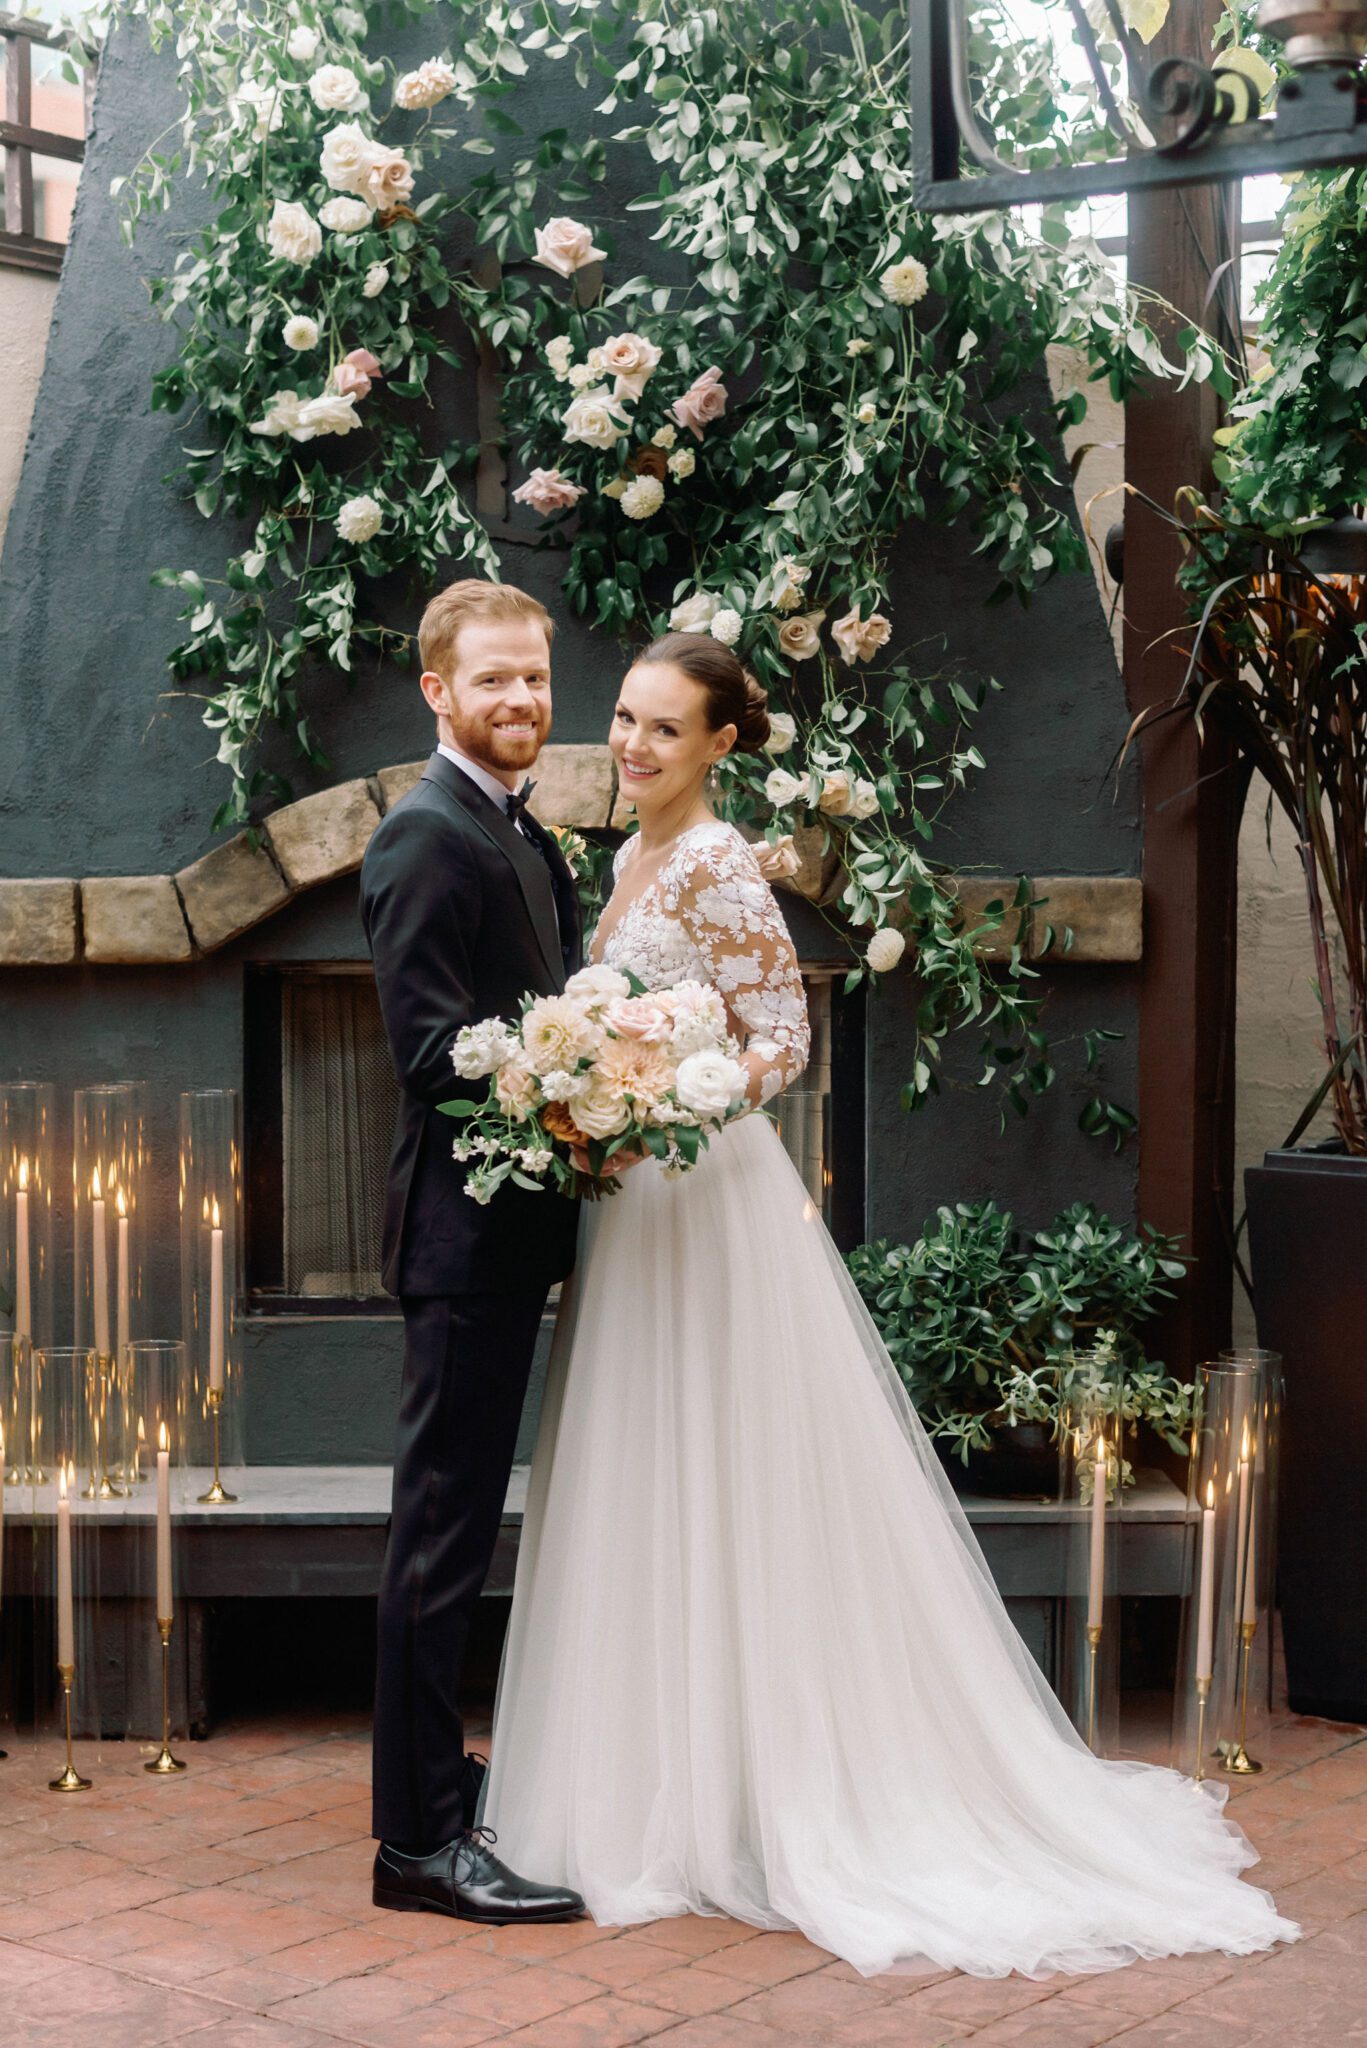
<point x="37" y="923"/>
<point x="135" y="918"/>
<point x="974" y="893"/>
<point x="1106" y="913"/>
<point x="229" y="891"/>
<point x="573" y="786"/>
<point x="396" y="782"/>
<point x="821" y="876"/>
<point x="325" y="835"/>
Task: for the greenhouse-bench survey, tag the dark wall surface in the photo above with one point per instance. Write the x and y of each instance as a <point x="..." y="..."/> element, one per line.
<point x="106" y="768"/>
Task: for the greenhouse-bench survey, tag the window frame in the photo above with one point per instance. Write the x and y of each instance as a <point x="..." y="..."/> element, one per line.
<point x="20" y="247"/>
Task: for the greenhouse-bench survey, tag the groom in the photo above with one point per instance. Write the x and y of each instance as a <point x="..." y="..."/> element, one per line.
<point x="467" y="903"/>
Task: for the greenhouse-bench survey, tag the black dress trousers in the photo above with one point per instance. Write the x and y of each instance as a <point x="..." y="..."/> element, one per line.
<point x="467" y="1360"/>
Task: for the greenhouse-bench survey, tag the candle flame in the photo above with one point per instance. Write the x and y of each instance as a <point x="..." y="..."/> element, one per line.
<point x="95" y="1183"/>
<point x="23" y="1173"/>
<point x="1210" y="1493"/>
<point x="142" y="1433"/>
<point x="1101" y="1450"/>
<point x="214" y="1217"/>
<point x="61" y="1482"/>
<point x="120" y="1203"/>
<point x="163" y="1440"/>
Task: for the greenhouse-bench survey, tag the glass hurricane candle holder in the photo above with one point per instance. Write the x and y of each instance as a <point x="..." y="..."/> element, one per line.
<point x="109" y="1173"/>
<point x="211" y="1291"/>
<point x="1091" y="1466"/>
<point x="70" y="1508"/>
<point x="26" y="1191"/>
<point x="154" y="1650"/>
<point x="1224" y="1665"/>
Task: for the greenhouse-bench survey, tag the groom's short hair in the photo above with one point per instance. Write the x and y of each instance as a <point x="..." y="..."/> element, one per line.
<point x="462" y="603"/>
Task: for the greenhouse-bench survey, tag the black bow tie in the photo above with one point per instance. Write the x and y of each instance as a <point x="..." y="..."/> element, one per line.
<point x="516" y="801"/>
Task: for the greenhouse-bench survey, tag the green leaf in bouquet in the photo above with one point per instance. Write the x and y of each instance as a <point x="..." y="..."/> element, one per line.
<point x="656" y="1143"/>
<point x="524" y="1180"/>
<point x="690" y="1142"/>
<point x="458" y="1108"/>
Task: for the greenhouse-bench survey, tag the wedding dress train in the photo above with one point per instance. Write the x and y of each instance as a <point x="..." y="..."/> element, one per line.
<point x="756" y="1664"/>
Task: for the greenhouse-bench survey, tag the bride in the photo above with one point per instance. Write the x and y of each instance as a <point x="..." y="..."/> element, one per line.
<point x="756" y="1664"/>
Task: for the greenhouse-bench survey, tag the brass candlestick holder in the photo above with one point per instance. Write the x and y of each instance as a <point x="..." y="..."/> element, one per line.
<point x="71" y="1779"/>
<point x="1093" y="1645"/>
<point x="1203" y="1686"/>
<point x="102" y="1486"/>
<point x="1234" y="1756"/>
<point x="165" y="1763"/>
<point x="217" y="1493"/>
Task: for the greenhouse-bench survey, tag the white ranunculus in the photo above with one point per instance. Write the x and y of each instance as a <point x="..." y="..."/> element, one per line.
<point x="560" y="354"/>
<point x="336" y="90"/>
<point x="694" y="614"/>
<point x="782" y="733"/>
<point x="837" y="793"/>
<point x="709" y="1083"/>
<point x="864" y="801"/>
<point x="726" y="626"/>
<point x="664" y="437"/>
<point x="329" y="413"/>
<point x="431" y="82"/>
<point x="293" y="233"/>
<point x="885" y="949"/>
<point x="601" y="1111"/>
<point x="302" y="43"/>
<point x="359" y="518"/>
<point x="481" y="1048"/>
<point x="346" y="156"/>
<point x="902" y="284"/>
<point x="643" y="497"/>
<point x="781" y="788"/>
<point x="345" y="215"/>
<point x="598" y="986"/>
<point x="299" y="331"/>
<point x="682" y="462"/>
<point x="260" y="103"/>
<point x="376" y="278"/>
<point x="593" y="418"/>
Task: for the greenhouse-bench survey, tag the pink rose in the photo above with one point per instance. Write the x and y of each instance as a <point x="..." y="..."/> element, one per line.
<point x="365" y="362"/>
<point x="388" y="178"/>
<point x="779" y="860"/>
<point x="632" y="360"/>
<point x="858" y="639"/>
<point x="565" y="245"/>
<point x="547" y="490"/>
<point x="704" y="400"/>
<point x="352" y="376"/>
<point x="636" y="1017"/>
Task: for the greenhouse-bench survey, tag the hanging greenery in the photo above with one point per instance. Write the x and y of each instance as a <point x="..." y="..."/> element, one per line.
<point x="737" y="452"/>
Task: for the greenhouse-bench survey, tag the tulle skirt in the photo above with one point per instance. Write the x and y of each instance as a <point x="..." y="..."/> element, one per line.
<point x="756" y="1664"/>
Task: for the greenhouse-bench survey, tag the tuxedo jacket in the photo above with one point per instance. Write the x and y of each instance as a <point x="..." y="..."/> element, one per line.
<point x="462" y="917"/>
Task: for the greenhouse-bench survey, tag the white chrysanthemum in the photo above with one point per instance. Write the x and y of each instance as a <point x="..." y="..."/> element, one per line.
<point x="593" y="418"/>
<point x="346" y="157"/>
<point x="782" y="788"/>
<point x="782" y="733"/>
<point x="293" y="233"/>
<point x="359" y="518"/>
<point x="664" y="437"/>
<point x="376" y="278"/>
<point x="694" y="614"/>
<point x="482" y="1048"/>
<point x="905" y="282"/>
<point x="560" y="354"/>
<point x="299" y="331"/>
<point x="643" y="497"/>
<point x="597" y="985"/>
<point x="431" y="82"/>
<point x="726" y="626"/>
<point x="336" y="90"/>
<point x="345" y="215"/>
<point x="885" y="949"/>
<point x="302" y="43"/>
<point x="682" y="462"/>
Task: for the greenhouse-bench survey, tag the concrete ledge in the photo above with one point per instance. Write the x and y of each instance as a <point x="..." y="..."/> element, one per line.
<point x="37" y="923"/>
<point x="323" y="836"/>
<point x="1103" y="912"/>
<point x="396" y="782"/>
<point x="133" y="919"/>
<point x="229" y="891"/>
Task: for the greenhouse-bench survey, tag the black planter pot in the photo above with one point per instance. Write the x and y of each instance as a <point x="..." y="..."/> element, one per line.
<point x="1023" y="1460"/>
<point x="1307" y="1229"/>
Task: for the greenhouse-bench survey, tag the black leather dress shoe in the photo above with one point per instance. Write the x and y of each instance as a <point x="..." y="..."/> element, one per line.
<point x="467" y="1881"/>
<point x="473" y="1772"/>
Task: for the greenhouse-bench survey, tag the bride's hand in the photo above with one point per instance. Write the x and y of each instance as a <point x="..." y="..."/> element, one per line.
<point x="618" y="1163"/>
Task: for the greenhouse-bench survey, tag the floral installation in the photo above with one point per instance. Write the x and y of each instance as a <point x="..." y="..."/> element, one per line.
<point x="605" y="1067"/>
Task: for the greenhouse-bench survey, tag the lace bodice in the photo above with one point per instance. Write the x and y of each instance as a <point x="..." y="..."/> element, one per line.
<point x="710" y="915"/>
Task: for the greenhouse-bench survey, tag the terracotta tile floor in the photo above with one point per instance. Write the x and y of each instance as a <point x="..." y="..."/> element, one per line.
<point x="231" y="1906"/>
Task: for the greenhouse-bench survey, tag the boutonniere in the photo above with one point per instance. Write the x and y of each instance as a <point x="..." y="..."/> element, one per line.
<point x="573" y="849"/>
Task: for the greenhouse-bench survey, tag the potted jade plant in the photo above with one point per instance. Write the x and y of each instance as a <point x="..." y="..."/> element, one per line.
<point x="994" y="1331"/>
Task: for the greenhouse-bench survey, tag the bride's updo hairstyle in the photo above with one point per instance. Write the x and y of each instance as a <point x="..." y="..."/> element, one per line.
<point x="734" y="696"/>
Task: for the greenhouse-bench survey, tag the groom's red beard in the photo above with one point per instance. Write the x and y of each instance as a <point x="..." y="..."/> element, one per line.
<point x="481" y="740"/>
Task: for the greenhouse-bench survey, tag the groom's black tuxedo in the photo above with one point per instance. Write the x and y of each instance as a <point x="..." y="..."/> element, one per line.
<point x="462" y="916"/>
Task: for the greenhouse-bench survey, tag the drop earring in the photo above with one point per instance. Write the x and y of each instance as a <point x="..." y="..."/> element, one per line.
<point x="713" y="782"/>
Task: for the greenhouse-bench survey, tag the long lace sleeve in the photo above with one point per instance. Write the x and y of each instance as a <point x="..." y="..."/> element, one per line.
<point x="728" y="910"/>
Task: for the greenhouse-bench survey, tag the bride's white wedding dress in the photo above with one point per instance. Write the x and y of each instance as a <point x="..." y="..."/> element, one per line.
<point x="756" y="1664"/>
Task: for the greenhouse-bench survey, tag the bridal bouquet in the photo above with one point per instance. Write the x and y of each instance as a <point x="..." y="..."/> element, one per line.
<point x="607" y="1066"/>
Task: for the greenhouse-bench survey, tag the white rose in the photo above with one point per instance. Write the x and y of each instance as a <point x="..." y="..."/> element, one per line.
<point x="782" y="733"/>
<point x="359" y="519"/>
<point x="800" y="637"/>
<point x="597" y="986"/>
<point x="282" y="417"/>
<point x="388" y="179"/>
<point x="601" y="1111"/>
<point x="709" y="1083"/>
<point x="885" y="949"/>
<point x="664" y="437"/>
<point x="559" y="354"/>
<point x="593" y="419"/>
<point x="726" y="626"/>
<point x="777" y="861"/>
<point x="864" y="802"/>
<point x="902" y="284"/>
<point x="565" y="246"/>
<point x="632" y="360"/>
<point x="300" y="332"/>
<point x="376" y="278"/>
<point x="782" y="788"/>
<point x="836" y="793"/>
<point x="261" y="103"/>
<point x="481" y="1048"/>
<point x="335" y="90"/>
<point x="695" y="614"/>
<point x="346" y="156"/>
<point x="643" y="497"/>
<point x="329" y="413"/>
<point x="302" y="43"/>
<point x="431" y="82"/>
<point x="580" y="375"/>
<point x="682" y="462"/>
<point x="345" y="215"/>
<point x="293" y="233"/>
